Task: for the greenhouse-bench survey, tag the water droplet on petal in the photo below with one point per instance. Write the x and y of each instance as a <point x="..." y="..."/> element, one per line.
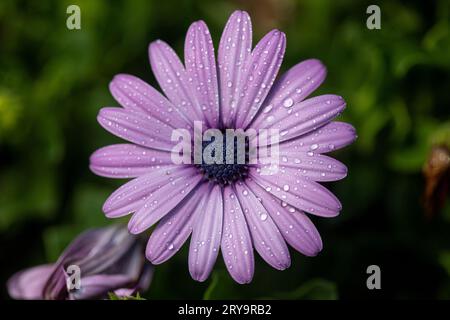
<point x="288" y="103"/>
<point x="267" y="109"/>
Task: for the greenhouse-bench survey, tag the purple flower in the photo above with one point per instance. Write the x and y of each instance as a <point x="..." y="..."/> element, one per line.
<point x="232" y="208"/>
<point x="108" y="260"/>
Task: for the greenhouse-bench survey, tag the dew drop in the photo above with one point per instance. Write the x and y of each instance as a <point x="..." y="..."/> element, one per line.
<point x="267" y="109"/>
<point x="288" y="103"/>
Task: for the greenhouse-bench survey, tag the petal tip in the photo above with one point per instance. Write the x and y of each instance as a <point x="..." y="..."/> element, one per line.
<point x="134" y="229"/>
<point x="153" y="46"/>
<point x="283" y="265"/>
<point x="200" y="277"/>
<point x="243" y="279"/>
<point x="151" y="256"/>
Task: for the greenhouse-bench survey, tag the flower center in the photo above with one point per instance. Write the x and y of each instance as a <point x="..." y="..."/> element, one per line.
<point x="229" y="166"/>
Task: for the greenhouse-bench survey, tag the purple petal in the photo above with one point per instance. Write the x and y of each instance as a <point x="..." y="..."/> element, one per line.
<point x="234" y="49"/>
<point x="237" y="249"/>
<point x="294" y="225"/>
<point x="173" y="80"/>
<point x="131" y="196"/>
<point x="174" y="229"/>
<point x="141" y="284"/>
<point x="114" y="249"/>
<point x="260" y="72"/>
<point x="145" y="278"/>
<point x="109" y="259"/>
<point x="299" y="192"/>
<point x="29" y="283"/>
<point x="163" y="199"/>
<point x="137" y="128"/>
<point x="201" y="68"/>
<point x="125" y="292"/>
<point x="127" y="160"/>
<point x="332" y="136"/>
<point x="55" y="287"/>
<point x="97" y="286"/>
<point x="310" y="165"/>
<point x="293" y="86"/>
<point x="309" y="115"/>
<point x="134" y="94"/>
<point x="267" y="239"/>
<point x="206" y="236"/>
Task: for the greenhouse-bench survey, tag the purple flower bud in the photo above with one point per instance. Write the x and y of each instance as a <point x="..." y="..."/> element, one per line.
<point x="97" y="262"/>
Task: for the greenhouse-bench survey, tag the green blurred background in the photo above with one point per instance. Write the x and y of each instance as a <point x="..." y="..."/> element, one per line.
<point x="396" y="82"/>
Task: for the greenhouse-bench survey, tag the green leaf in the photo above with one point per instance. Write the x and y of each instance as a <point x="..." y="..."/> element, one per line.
<point x="113" y="296"/>
<point x="214" y="282"/>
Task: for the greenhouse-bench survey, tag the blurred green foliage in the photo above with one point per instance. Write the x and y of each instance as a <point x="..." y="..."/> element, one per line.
<point x="113" y="296"/>
<point x="395" y="80"/>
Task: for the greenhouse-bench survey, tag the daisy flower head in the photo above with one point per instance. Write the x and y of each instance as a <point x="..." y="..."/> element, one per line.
<point x="191" y="151"/>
